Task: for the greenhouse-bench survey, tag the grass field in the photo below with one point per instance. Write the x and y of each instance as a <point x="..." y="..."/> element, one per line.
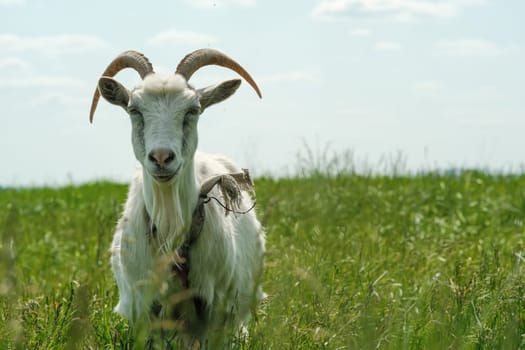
<point x="354" y="262"/>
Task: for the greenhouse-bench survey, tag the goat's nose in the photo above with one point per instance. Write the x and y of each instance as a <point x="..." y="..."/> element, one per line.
<point x="161" y="156"/>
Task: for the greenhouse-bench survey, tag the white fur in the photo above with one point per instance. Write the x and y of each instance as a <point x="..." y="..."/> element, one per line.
<point x="226" y="261"/>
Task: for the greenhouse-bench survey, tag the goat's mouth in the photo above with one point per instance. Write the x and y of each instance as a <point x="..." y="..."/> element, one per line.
<point x="164" y="177"/>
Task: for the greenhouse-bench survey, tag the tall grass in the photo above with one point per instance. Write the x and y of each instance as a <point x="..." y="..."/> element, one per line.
<point x="354" y="262"/>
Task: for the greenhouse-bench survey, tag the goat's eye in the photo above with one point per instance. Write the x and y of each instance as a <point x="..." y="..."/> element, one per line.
<point x="192" y="111"/>
<point x="134" y="110"/>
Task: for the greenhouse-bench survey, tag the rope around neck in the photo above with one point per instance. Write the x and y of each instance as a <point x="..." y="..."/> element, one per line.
<point x="209" y="198"/>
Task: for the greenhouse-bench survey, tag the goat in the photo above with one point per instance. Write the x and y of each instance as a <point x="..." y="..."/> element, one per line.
<point x="181" y="264"/>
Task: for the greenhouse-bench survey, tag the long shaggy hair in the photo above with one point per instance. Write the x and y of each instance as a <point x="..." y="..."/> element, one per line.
<point x="170" y="209"/>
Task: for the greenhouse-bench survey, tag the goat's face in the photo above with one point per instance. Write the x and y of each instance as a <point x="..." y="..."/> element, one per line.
<point x="164" y="111"/>
<point x="164" y="114"/>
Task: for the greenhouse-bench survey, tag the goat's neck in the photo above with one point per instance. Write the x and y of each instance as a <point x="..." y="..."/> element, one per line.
<point x="170" y="206"/>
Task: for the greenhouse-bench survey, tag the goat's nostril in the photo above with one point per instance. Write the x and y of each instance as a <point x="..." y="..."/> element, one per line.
<point x="170" y="158"/>
<point x="161" y="156"/>
<point x="152" y="158"/>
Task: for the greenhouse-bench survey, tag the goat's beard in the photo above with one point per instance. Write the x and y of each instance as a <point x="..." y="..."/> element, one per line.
<point x="170" y="209"/>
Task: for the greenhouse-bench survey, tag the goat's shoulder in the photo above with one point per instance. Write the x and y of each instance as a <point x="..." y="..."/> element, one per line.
<point x="207" y="165"/>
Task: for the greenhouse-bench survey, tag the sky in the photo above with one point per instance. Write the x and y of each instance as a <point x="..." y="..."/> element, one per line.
<point x="439" y="82"/>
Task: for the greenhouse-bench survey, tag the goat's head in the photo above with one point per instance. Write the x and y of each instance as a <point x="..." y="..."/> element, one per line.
<point x="164" y="110"/>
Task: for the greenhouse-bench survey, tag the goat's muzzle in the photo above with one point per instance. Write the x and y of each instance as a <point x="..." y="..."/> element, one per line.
<point x="163" y="161"/>
<point x="161" y="157"/>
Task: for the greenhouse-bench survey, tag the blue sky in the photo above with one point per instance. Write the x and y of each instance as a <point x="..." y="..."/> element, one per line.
<point x="441" y="81"/>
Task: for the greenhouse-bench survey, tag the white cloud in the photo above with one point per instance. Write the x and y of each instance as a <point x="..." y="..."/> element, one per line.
<point x="359" y="32"/>
<point x="286" y="77"/>
<point x="58" y="44"/>
<point x="13" y="63"/>
<point x="211" y="4"/>
<point x="11" y="2"/>
<point x="387" y="46"/>
<point x="427" y="85"/>
<point x="428" y="88"/>
<point x="392" y="9"/>
<point x="177" y="37"/>
<point x="56" y="98"/>
<point x="39" y="81"/>
<point x="470" y="47"/>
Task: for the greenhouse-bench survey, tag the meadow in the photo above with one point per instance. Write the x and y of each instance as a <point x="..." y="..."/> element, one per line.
<point x="430" y="261"/>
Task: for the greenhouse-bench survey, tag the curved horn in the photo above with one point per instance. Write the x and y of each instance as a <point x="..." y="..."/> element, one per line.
<point x="204" y="57"/>
<point x="127" y="59"/>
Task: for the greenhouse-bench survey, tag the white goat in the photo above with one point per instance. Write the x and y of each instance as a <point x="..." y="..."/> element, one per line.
<point x="182" y="265"/>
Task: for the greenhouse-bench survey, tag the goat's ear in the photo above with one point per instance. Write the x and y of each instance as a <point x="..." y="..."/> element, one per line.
<point x="217" y="93"/>
<point x="113" y="91"/>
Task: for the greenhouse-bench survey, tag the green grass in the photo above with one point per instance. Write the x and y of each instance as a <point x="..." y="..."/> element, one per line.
<point x="354" y="262"/>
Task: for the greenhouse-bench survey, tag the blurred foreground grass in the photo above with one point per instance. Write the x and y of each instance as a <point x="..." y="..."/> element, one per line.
<point x="354" y="262"/>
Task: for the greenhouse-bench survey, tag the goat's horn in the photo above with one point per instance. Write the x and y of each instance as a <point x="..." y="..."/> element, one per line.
<point x="204" y="57"/>
<point x="127" y="59"/>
